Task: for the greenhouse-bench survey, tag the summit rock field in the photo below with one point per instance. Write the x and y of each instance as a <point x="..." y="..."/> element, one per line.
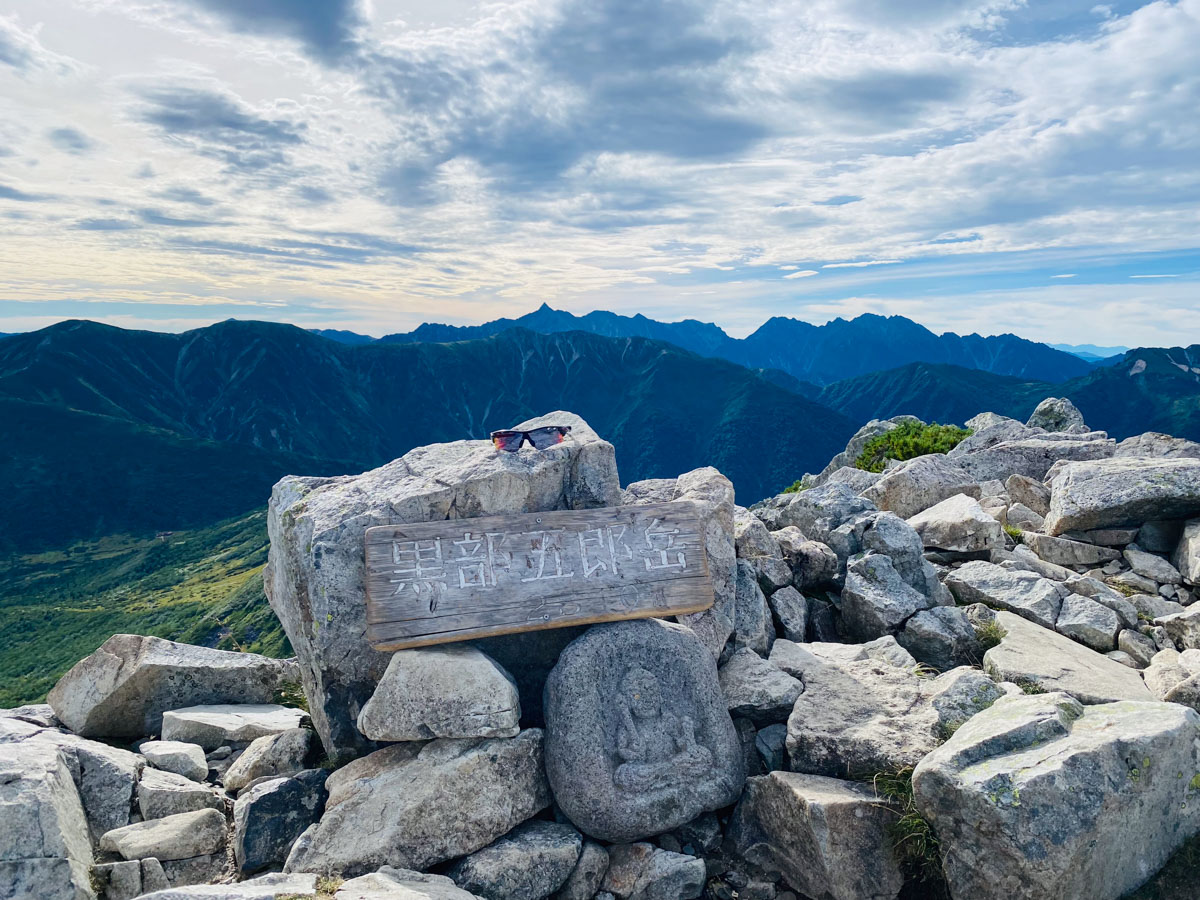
<point x="973" y="675"/>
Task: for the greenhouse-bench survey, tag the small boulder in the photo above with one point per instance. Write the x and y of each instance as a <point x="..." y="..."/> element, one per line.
<point x="1088" y="622"/>
<point x="1187" y="553"/>
<point x="1056" y="414"/>
<point x="401" y="884"/>
<point x="531" y="862"/>
<point x="791" y="609"/>
<point x="876" y="601"/>
<point x="269" y="756"/>
<point x="756" y="689"/>
<point x="1183" y="628"/>
<point x="753" y="627"/>
<point x="1064" y="552"/>
<point x="432" y="802"/>
<point x="268" y="818"/>
<point x="451" y="691"/>
<point x="1044" y="660"/>
<point x="645" y="872"/>
<point x="1025" y="593"/>
<point x="123" y="689"/>
<point x="1028" y="492"/>
<point x="162" y="794"/>
<point x="587" y="876"/>
<point x="829" y="838"/>
<point x="920" y="483"/>
<point x="958" y="524"/>
<point x="214" y="725"/>
<point x="1153" y="567"/>
<point x="176" y="756"/>
<point x="941" y="637"/>
<point x="182" y="836"/>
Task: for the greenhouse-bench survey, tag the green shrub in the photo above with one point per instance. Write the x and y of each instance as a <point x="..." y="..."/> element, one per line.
<point x="909" y="441"/>
<point x="796" y="487"/>
<point x="913" y="842"/>
<point x="990" y="634"/>
<point x="1014" y="532"/>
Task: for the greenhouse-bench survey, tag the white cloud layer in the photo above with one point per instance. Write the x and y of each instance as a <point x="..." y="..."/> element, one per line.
<point x="329" y="162"/>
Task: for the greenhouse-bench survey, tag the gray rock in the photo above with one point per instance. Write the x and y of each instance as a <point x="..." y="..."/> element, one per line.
<point x="771" y="744"/>
<point x="213" y="725"/>
<point x="876" y="601"/>
<point x="315" y="570"/>
<point x="123" y="689"/>
<point x="1183" y="628"/>
<point x="712" y="493"/>
<point x="1160" y="536"/>
<point x="958" y="524"/>
<point x="988" y="430"/>
<point x="162" y="794"/>
<point x="644" y="872"/>
<point x="1022" y="517"/>
<point x="1123" y="491"/>
<point x="1055" y="414"/>
<point x="1063" y="552"/>
<point x="1031" y="457"/>
<point x="1088" y="622"/>
<point x="816" y="512"/>
<point x="753" y="627"/>
<point x="431" y="802"/>
<point x="791" y="609"/>
<point x="1024" y="558"/>
<point x="751" y="539"/>
<point x="756" y="689"/>
<point x="39" y="714"/>
<point x="773" y="573"/>
<point x="887" y="534"/>
<point x="919" y="484"/>
<point x="118" y="880"/>
<point x="1158" y="446"/>
<point x="1025" y="593"/>
<point x="1187" y="553"/>
<point x="813" y="564"/>
<point x="529" y="863"/>
<point x="269" y="756"/>
<point x="451" y="691"/>
<point x="1085" y="586"/>
<point x="587" y="876"/>
<point x="176" y="837"/>
<point x="45" y="851"/>
<point x="856" y="479"/>
<point x="941" y="637"/>
<point x="856" y="445"/>
<point x="401" y="884"/>
<point x="887" y="649"/>
<point x="858" y="718"/>
<point x="175" y="756"/>
<point x="1028" y="492"/>
<point x="1042" y="797"/>
<point x="828" y="838"/>
<point x="269" y="817"/>
<point x="1123" y="658"/>
<point x="1030" y="655"/>
<point x="1140" y="648"/>
<point x="265" y="887"/>
<point x="1134" y="582"/>
<point x="1151" y="566"/>
<point x="639" y="739"/>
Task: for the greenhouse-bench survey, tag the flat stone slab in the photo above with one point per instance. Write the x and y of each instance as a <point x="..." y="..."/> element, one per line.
<point x="179" y="757"/>
<point x="1123" y="491"/>
<point x="1031" y="655"/>
<point x="216" y="725"/>
<point x="182" y="836"/>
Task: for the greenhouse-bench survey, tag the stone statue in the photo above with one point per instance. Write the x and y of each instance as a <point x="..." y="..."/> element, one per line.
<point x="656" y="747"/>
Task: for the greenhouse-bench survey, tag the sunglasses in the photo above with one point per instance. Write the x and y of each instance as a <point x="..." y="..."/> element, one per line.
<point x="542" y="438"/>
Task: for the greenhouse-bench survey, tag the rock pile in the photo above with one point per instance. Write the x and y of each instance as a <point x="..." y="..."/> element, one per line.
<point x="1008" y="632"/>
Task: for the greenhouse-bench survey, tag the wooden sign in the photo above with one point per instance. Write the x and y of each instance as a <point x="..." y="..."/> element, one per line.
<point x="435" y="582"/>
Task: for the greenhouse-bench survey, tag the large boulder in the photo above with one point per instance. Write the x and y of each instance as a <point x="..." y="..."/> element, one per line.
<point x="1064" y="552"/>
<point x="45" y="851"/>
<point x="861" y="717"/>
<point x="920" y="483"/>
<point x="887" y="534"/>
<point x="162" y="794"/>
<point x="426" y="802"/>
<point x="1032" y="457"/>
<point x="828" y="838"/>
<point x="269" y="817"/>
<point x="270" y="756"/>
<point x="1092" y="624"/>
<point x="752" y="624"/>
<point x="123" y="689"/>
<point x="1056" y="414"/>
<point x="876" y="600"/>
<point x="452" y="691"/>
<point x="315" y="571"/>
<point x="816" y="512"/>
<point x="529" y="863"/>
<point x="958" y="524"/>
<point x="1017" y="590"/>
<point x="1122" y="491"/>
<point x="1041" y="659"/>
<point x="638" y="737"/>
<point x="1042" y="797"/>
<point x="941" y="637"/>
<point x="1160" y="446"/>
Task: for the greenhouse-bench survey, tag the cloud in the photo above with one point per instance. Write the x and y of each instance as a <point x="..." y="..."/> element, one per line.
<point x="327" y="29"/>
<point x="71" y="140"/>
<point x="7" y="192"/>
<point x="21" y="49"/>
<point x="803" y="273"/>
<point x="218" y="125"/>
<point x="105" y="225"/>
<point x="1069" y="275"/>
<point x="1153" y="276"/>
<point x="861" y="265"/>
<point x="190" y="196"/>
<point x="157" y="217"/>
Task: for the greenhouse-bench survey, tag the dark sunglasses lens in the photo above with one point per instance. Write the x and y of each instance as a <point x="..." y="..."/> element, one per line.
<point x="548" y="436"/>
<point x="508" y="440"/>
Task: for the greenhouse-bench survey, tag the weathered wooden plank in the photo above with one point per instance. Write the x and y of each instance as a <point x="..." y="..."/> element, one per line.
<point x="435" y="582"/>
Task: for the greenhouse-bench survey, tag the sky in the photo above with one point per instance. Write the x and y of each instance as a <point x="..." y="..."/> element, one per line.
<point x="979" y="166"/>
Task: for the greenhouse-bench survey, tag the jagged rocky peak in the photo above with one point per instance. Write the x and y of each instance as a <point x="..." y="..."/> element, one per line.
<point x="1006" y="634"/>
